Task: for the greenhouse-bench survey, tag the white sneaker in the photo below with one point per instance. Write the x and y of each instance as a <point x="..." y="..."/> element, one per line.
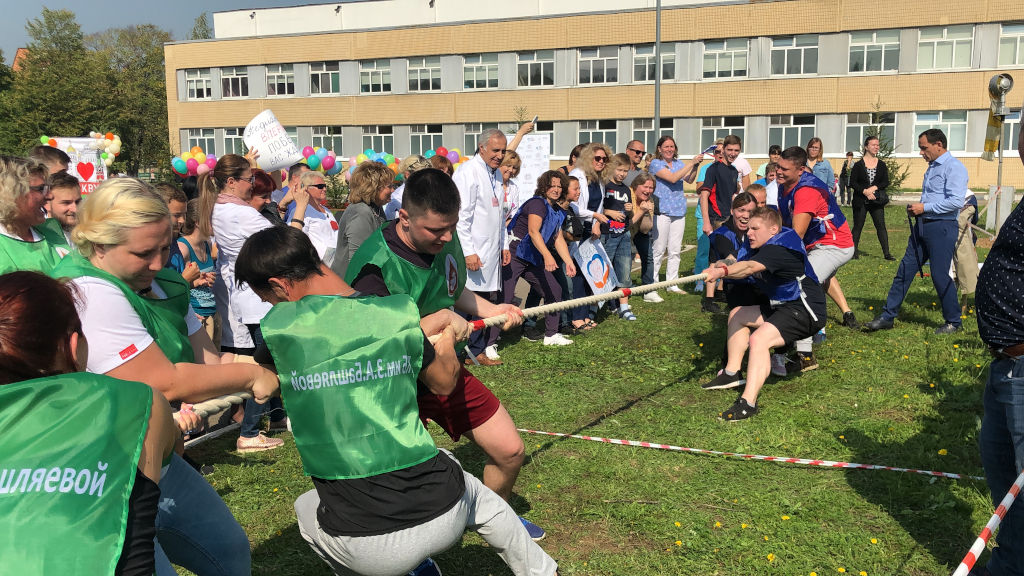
<point x="779" y="365"/>
<point x="675" y="290"/>
<point x="556" y="340"/>
<point x="653" y="297"/>
<point x="492" y="352"/>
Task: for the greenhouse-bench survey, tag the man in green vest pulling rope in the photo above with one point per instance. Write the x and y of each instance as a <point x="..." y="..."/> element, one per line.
<point x="419" y="254"/>
<point x="385" y="497"/>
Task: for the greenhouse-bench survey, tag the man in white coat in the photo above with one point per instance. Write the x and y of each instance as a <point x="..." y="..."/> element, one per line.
<point x="481" y="231"/>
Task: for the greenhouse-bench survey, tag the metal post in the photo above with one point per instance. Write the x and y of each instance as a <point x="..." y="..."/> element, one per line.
<point x="657" y="72"/>
<point x="999" y="178"/>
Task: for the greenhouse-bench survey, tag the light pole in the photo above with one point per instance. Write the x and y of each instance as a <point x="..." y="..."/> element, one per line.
<point x="657" y="72"/>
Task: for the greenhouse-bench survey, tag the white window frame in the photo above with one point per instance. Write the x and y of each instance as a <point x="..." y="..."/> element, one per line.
<point x="329" y="137"/>
<point x="473" y="131"/>
<point x="935" y="41"/>
<point x="880" y="44"/>
<point x="727" y="58"/>
<point x="643" y="130"/>
<point x="801" y="51"/>
<point x="293" y="134"/>
<point x="329" y="72"/>
<point x="714" y="127"/>
<point x="605" y="131"/>
<point x="234" y="82"/>
<point x="233" y="143"/>
<point x="953" y="124"/>
<point x="379" y="138"/>
<point x="198" y="85"/>
<point x="644" y="65"/>
<point x="1011" y="44"/>
<point x="480" y="71"/>
<point x="280" y="80"/>
<point x="857" y="124"/>
<point x="423" y="137"/>
<point x="425" y="74"/>
<point x="546" y="127"/>
<point x="540" y="62"/>
<point x="375" y="74"/>
<point x="1011" y="131"/>
<point x="601" y="62"/>
<point x="783" y="131"/>
<point x="204" y="138"/>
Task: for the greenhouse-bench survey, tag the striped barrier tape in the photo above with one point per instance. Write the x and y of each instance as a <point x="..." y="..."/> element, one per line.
<point x="786" y="459"/>
<point x="997" y="517"/>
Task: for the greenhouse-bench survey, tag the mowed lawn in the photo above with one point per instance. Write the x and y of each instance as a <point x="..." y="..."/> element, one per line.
<point x="904" y="397"/>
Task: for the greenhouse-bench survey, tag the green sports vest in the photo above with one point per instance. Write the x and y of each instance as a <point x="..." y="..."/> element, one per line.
<point x="432" y="289"/>
<point x="348" y="370"/>
<point x="164" y="319"/>
<point x="67" y="466"/>
<point x="41" y="256"/>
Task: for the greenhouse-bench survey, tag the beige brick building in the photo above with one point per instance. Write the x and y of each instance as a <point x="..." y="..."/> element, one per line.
<point x="403" y="76"/>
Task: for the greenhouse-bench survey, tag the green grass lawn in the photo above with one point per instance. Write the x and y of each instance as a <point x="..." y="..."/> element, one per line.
<point x="903" y="397"/>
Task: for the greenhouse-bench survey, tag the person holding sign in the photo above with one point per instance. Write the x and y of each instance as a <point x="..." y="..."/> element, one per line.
<point x="535" y="230"/>
<point x="88" y="519"/>
<point x="28" y="239"/>
<point x="777" y="262"/>
<point x="382" y="501"/>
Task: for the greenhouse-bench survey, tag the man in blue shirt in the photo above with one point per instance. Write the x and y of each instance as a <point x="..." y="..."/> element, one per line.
<point x="934" y="234"/>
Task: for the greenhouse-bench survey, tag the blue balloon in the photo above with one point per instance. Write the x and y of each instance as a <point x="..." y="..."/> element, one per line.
<point x="429" y="154"/>
<point x="334" y="169"/>
<point x="369" y="152"/>
<point x="382" y="161"/>
<point x="322" y="153"/>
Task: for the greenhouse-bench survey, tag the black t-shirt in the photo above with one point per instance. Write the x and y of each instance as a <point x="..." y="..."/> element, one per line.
<point x="787" y="264"/>
<point x="1000" y="296"/>
<point x="720" y="181"/>
<point x="615" y="198"/>
<point x="722" y="247"/>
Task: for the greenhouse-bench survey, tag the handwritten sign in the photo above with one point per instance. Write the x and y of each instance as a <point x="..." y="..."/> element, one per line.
<point x="535" y="151"/>
<point x="593" y="262"/>
<point x="86" y="164"/>
<point x="270" y="139"/>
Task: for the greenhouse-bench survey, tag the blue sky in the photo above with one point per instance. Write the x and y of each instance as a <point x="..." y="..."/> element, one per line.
<point x="96" y="15"/>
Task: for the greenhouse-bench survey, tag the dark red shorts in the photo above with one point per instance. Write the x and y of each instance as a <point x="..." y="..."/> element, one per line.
<point x="468" y="406"/>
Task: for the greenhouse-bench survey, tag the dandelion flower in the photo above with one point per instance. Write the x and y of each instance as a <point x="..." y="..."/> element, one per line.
<point x="743" y="526"/>
<point x="275" y="489"/>
<point x="718" y="524"/>
<point x="863" y="573"/>
<point x="841" y="569"/>
<point x="906" y="395"/>
<point x="931" y="385"/>
<point x="784" y="517"/>
<point x="955" y="346"/>
<point x="943" y="452"/>
<point x="841" y="437"/>
<point x="765" y="538"/>
<point x="871" y="307"/>
<point x="701" y="344"/>
<point x="771" y="557"/>
<point x="905" y="357"/>
<point x="874" y="540"/>
<point x="679" y="542"/>
<point x="678" y="524"/>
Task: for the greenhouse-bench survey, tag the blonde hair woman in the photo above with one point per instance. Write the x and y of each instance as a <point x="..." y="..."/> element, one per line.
<point x="137" y="319"/>
<point x="591" y="171"/>
<point x="509" y="168"/>
<point x="28" y="240"/>
<point x="371" y="185"/>
<point x="318" y="222"/>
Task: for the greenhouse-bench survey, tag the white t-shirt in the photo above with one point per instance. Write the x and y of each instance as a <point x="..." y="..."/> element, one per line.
<point x="322" y="229"/>
<point x="392" y="208"/>
<point x="35" y="235"/>
<point x="772" y="194"/>
<point x="113" y="328"/>
<point x="232" y="226"/>
<point x="743" y="167"/>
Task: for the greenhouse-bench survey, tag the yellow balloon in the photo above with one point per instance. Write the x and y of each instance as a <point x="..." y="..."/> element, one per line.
<point x="201" y="158"/>
<point x="186" y="156"/>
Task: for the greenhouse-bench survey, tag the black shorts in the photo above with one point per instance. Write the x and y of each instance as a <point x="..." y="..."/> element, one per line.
<point x="742" y="294"/>
<point x="792" y="321"/>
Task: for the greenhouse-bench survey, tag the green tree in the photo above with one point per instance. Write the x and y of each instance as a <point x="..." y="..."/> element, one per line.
<point x="136" y="92"/>
<point x="58" y="91"/>
<point x="6" y="75"/>
<point x="201" y="29"/>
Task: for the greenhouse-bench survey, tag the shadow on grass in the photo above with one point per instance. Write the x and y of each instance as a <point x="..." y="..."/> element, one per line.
<point x="287" y="554"/>
<point x="928" y="508"/>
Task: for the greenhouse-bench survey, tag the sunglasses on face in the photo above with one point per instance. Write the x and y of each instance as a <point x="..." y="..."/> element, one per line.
<point x="43" y="188"/>
<point x="600" y="158"/>
<point x="320" y="186"/>
<point x="640" y="152"/>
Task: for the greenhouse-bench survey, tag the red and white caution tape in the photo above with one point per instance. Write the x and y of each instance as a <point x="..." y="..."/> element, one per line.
<point x="787" y="460"/>
<point x="972" y="555"/>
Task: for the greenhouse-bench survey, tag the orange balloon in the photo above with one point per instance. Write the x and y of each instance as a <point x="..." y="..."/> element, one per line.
<point x="110" y="135"/>
<point x="394" y="167"/>
<point x="195" y="150"/>
<point x="52" y="142"/>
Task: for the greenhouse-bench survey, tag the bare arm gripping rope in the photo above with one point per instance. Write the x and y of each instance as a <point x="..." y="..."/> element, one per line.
<point x="204" y="409"/>
<point x="586" y="301"/>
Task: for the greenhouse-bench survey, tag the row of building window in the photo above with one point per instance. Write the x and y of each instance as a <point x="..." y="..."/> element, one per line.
<point x="785" y="130"/>
<point x="938" y="48"/>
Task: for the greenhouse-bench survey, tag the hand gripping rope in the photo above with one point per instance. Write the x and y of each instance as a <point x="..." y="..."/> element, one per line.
<point x="972" y="555"/>
<point x="586" y="301"/>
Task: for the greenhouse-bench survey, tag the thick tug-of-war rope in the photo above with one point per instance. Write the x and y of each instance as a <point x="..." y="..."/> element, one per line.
<point x="786" y="459"/>
<point x="215" y="405"/>
<point x="586" y="301"/>
<point x="997" y="517"/>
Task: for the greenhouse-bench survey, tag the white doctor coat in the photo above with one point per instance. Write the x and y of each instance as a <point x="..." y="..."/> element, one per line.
<point x="481" y="224"/>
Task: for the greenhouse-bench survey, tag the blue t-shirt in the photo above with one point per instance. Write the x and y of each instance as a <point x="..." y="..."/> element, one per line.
<point x="670" y="196"/>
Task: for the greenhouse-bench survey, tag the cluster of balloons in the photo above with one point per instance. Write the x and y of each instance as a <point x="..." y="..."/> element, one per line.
<point x="321" y="159"/>
<point x="193" y="163"/>
<point x="369" y="155"/>
<point x="454" y="155"/>
<point x="108" y="144"/>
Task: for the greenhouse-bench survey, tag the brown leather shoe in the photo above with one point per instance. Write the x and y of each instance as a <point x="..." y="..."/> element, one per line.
<point x="483" y="360"/>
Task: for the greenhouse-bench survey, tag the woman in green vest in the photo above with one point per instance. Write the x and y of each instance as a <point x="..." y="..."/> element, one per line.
<point x="82" y="453"/>
<point x="137" y="318"/>
<point x="28" y="240"/>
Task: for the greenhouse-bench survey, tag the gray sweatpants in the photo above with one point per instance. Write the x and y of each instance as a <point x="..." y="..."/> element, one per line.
<point x="826" y="261"/>
<point x="396" y="553"/>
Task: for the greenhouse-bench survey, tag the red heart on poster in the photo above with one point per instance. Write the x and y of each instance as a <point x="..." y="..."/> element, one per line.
<point x="85" y="170"/>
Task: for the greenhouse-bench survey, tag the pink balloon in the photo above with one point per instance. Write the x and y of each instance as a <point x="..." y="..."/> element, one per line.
<point x="307" y="151"/>
<point x="332" y="154"/>
<point x="202" y="169"/>
<point x="353" y="161"/>
<point x="327" y="162"/>
<point x="210" y="163"/>
<point x="192" y="164"/>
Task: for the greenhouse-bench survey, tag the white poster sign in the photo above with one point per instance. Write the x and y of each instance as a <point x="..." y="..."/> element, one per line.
<point x="535" y="152"/>
<point x="593" y="262"/>
<point x="270" y="139"/>
<point x="86" y="164"/>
